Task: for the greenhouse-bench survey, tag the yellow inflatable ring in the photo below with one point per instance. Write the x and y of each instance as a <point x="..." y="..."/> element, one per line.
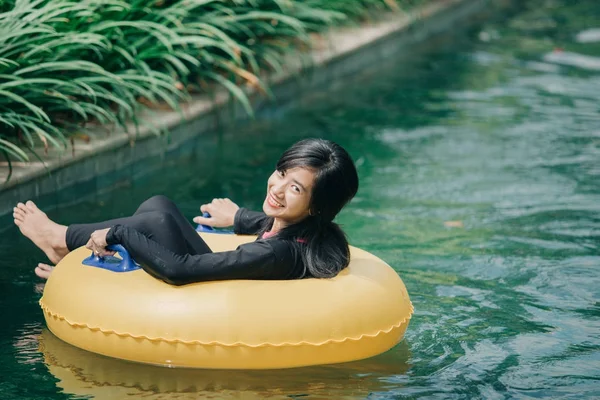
<point x="238" y="324"/>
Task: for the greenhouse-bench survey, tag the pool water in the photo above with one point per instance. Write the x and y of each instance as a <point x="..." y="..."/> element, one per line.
<point x="479" y="160"/>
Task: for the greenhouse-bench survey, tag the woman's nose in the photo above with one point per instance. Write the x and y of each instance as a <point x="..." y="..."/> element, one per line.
<point x="279" y="189"/>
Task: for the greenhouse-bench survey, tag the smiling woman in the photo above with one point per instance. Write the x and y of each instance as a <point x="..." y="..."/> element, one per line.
<point x="297" y="238"/>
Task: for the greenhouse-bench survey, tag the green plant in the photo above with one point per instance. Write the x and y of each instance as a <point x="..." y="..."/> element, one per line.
<point x="65" y="64"/>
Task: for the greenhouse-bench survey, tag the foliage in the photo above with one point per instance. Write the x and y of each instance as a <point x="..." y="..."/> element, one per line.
<point x="65" y="63"/>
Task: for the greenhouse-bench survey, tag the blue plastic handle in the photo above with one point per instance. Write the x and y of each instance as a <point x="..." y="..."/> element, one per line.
<point x="205" y="228"/>
<point x="111" y="263"/>
<point x="210" y="229"/>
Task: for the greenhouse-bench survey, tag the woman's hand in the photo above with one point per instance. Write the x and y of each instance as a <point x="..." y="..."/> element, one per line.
<point x="97" y="243"/>
<point x="222" y="213"/>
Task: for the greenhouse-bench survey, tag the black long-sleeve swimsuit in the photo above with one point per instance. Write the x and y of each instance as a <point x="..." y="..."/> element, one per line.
<point x="167" y="246"/>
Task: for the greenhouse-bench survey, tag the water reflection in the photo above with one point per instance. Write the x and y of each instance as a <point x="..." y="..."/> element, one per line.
<point x="87" y="374"/>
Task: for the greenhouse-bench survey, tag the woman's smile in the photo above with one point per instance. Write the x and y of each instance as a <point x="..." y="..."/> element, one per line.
<point x="272" y="202"/>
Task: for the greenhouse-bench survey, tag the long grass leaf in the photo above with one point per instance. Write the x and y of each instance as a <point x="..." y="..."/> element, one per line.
<point x="235" y="91"/>
<point x="21" y="100"/>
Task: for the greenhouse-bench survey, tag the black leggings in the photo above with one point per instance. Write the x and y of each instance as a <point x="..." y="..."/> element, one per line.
<point x="158" y="219"/>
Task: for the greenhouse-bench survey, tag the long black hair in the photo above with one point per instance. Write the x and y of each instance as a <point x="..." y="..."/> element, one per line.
<point x="324" y="245"/>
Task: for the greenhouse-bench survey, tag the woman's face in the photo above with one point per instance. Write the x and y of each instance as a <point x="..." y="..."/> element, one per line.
<point x="288" y="195"/>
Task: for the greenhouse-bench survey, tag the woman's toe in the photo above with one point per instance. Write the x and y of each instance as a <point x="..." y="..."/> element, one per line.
<point x="43" y="270"/>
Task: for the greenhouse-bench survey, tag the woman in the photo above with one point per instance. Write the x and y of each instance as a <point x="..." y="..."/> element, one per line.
<point x="313" y="181"/>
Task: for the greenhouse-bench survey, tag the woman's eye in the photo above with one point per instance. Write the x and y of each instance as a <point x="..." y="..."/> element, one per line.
<point x="281" y="173"/>
<point x="295" y="188"/>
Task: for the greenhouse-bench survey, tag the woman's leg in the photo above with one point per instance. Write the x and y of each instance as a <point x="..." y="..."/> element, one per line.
<point x="196" y="245"/>
<point x="58" y="240"/>
<point x="160" y="226"/>
<point x="157" y="218"/>
<point x="158" y="203"/>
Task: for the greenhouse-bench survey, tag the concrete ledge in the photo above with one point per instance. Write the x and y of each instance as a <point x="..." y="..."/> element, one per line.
<point x="113" y="156"/>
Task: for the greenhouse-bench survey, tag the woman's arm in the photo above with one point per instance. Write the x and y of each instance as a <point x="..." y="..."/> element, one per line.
<point x="248" y="222"/>
<point x="225" y="213"/>
<point x="256" y="260"/>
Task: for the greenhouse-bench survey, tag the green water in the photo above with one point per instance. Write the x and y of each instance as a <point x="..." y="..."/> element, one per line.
<point x="480" y="184"/>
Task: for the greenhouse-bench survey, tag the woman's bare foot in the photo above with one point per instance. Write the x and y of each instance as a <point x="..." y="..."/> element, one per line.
<point x="43" y="270"/>
<point x="46" y="234"/>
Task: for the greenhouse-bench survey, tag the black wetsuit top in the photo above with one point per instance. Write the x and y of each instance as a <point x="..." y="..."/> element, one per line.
<point x="272" y="259"/>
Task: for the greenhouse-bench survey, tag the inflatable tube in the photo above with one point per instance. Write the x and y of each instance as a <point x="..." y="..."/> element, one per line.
<point x="239" y="324"/>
